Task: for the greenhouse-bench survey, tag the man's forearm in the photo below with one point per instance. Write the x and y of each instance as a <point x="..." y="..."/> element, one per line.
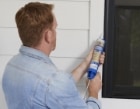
<point x="79" y="71"/>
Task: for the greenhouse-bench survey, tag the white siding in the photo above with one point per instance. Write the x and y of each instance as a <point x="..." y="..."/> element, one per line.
<point x="70" y="15"/>
<point x="71" y="43"/>
<point x="9" y="41"/>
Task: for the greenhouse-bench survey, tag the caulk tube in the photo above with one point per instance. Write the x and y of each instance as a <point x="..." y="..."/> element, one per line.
<point x="98" y="49"/>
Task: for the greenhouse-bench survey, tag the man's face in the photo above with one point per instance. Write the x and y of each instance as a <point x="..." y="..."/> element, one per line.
<point x="54" y="33"/>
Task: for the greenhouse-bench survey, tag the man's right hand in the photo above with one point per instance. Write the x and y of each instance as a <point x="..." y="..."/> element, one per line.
<point x="95" y="86"/>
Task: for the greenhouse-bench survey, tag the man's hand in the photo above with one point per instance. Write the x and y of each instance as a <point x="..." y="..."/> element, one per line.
<point x="95" y="86"/>
<point x="102" y="58"/>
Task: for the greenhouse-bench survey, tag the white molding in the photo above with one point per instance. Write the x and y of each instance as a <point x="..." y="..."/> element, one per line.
<point x="96" y="20"/>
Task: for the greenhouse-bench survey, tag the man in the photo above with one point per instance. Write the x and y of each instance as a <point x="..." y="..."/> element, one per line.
<point x="31" y="80"/>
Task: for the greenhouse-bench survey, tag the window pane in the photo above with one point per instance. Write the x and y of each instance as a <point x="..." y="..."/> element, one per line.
<point x="127" y="47"/>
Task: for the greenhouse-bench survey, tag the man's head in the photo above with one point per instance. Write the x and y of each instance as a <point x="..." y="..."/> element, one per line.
<point x="35" y="22"/>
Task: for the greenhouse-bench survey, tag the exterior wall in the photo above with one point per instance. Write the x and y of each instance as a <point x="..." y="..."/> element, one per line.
<point x="80" y="22"/>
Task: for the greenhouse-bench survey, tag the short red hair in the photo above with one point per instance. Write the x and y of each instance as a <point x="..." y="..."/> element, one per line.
<point x="31" y="20"/>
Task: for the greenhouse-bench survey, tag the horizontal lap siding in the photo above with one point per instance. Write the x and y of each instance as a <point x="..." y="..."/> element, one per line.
<point x="72" y="31"/>
<point x="70" y="43"/>
<point x="70" y="15"/>
<point x="9" y="41"/>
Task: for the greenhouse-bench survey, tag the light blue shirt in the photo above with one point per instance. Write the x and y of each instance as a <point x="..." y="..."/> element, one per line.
<point x="32" y="81"/>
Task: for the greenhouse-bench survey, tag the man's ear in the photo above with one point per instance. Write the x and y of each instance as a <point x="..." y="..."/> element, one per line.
<point x="47" y="36"/>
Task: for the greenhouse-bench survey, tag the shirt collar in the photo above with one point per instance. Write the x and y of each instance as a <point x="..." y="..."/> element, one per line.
<point x="34" y="53"/>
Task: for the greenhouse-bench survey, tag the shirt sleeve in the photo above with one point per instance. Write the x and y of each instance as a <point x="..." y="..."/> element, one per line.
<point x="63" y="94"/>
<point x="93" y="103"/>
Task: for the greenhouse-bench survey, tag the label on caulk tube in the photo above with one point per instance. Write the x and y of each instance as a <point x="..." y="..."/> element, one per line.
<point x="93" y="65"/>
<point x="95" y="59"/>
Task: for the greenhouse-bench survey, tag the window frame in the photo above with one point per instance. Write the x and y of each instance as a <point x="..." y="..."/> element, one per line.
<point x="109" y="90"/>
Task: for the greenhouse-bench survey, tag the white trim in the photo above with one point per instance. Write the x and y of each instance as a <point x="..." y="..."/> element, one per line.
<point x="96" y="20"/>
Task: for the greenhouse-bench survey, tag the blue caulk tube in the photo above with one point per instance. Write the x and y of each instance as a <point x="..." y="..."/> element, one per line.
<point x="98" y="49"/>
<point x="93" y="68"/>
